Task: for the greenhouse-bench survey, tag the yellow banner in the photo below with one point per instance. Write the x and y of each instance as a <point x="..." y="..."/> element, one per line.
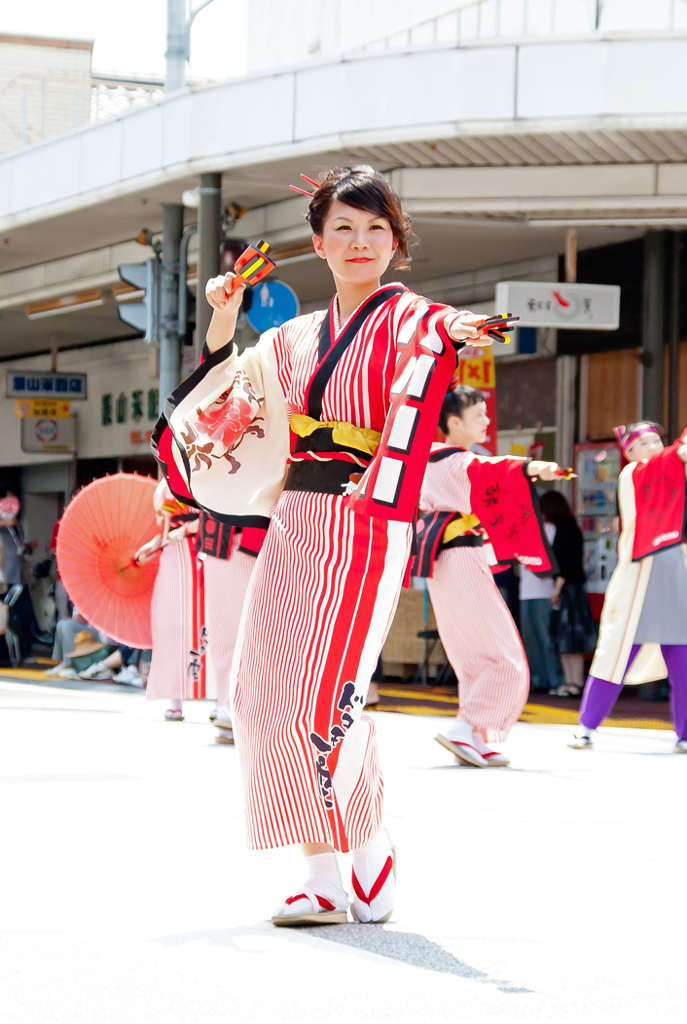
<point x="476" y="368"/>
<point x="36" y="408"/>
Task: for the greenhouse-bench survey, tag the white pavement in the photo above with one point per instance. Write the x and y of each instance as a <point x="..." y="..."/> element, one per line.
<point x="554" y="890"/>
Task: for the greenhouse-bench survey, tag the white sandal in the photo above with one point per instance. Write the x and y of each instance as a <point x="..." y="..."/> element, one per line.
<point x="327" y="914"/>
<point x="463" y="752"/>
<point x="367" y="898"/>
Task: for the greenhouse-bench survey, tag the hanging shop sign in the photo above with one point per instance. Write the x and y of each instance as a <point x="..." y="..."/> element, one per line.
<point x="38" y="384"/>
<point x="476" y="368"/>
<point x="38" y="408"/>
<point x="48" y="434"/>
<point x="588" y="307"/>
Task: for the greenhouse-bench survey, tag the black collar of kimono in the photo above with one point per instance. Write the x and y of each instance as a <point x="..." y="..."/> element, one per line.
<point x="330" y="350"/>
<point x="445" y="452"/>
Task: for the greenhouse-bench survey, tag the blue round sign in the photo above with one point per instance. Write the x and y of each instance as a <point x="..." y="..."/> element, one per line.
<point x="273" y="304"/>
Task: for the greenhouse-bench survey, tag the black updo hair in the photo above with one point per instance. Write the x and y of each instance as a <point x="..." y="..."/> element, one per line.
<point x="457" y="401"/>
<point x="365" y="189"/>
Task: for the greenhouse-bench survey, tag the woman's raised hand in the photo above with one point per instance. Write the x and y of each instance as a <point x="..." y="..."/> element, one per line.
<point x="225" y="293"/>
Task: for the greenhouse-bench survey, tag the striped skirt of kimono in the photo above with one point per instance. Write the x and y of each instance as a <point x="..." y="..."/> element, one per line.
<point x="318" y="609"/>
<point x="226" y="583"/>
<point x="481" y="642"/>
<point x="177" y="668"/>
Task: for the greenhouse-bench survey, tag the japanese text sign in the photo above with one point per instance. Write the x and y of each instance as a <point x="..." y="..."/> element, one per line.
<point x="589" y="307"/>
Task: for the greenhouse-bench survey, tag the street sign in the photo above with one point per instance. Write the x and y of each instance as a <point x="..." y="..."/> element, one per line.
<point x="43" y="384"/>
<point x="143" y="315"/>
<point x="48" y="434"/>
<point x="39" y="407"/>
<point x="580" y="307"/>
<point x="273" y="304"/>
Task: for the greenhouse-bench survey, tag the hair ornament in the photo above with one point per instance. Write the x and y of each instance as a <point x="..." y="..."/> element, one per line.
<point x="302" y="190"/>
<point x="619" y="431"/>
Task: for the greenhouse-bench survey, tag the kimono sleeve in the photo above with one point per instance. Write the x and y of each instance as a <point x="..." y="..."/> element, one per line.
<point x="426" y="362"/>
<point x="224" y="425"/>
<point x="506" y="501"/>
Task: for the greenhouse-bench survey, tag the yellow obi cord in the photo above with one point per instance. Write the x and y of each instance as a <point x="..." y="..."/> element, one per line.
<point x="457" y="527"/>
<point x="345" y="434"/>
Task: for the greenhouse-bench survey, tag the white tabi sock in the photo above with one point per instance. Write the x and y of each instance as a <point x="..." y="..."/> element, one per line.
<point x="223" y="714"/>
<point x="459" y="732"/>
<point x="369" y="862"/>
<point x="175" y="705"/>
<point x="324" y="879"/>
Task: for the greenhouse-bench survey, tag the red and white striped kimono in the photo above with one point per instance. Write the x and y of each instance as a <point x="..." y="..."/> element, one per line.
<point x="177" y="613"/>
<point x="476" y="629"/>
<point x="362" y="405"/>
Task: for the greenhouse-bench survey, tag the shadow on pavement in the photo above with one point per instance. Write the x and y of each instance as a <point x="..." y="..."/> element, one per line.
<point x="406" y="947"/>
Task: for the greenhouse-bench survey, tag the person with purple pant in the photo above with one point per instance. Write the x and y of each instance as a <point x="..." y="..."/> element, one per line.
<point x="643" y="629"/>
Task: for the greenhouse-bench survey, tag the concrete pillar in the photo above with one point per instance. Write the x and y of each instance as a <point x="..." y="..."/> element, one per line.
<point x="653" y="326"/>
<point x="209" y="224"/>
<point x="170" y="343"/>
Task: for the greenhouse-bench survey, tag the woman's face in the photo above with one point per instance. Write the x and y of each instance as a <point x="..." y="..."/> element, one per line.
<point x="357" y="245"/>
<point x="645" y="447"/>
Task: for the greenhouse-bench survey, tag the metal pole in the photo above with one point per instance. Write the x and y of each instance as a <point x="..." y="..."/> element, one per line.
<point x="170" y="344"/>
<point x="674" y="341"/>
<point x="653" y="325"/>
<point x="188" y="234"/>
<point x="177" y="54"/>
<point x="209" y="222"/>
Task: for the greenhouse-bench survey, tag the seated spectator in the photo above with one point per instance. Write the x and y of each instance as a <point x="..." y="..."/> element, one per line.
<point x="66" y="632"/>
<point x="124" y="659"/>
<point x="535" y="627"/>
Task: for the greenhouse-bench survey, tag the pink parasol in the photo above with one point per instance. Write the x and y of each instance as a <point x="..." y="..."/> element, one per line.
<point x="100" y="532"/>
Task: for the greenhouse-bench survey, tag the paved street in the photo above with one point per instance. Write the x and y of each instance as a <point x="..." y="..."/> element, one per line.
<point x="551" y="891"/>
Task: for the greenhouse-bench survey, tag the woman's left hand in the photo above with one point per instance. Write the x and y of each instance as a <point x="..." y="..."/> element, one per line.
<point x="464" y="326"/>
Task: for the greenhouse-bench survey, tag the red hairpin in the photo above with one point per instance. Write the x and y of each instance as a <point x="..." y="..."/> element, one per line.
<point x="302" y="190"/>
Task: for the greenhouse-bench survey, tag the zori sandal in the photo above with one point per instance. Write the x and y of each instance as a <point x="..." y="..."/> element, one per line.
<point x="463" y="752"/>
<point x="496" y="760"/>
<point x="327" y="913"/>
<point x="388" y="868"/>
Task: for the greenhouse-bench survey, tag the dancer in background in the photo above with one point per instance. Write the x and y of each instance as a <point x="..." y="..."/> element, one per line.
<point x="574" y="631"/>
<point x="350" y="398"/>
<point x="643" y="629"/>
<point x="228" y="554"/>
<point x="177" y="669"/>
<point x="465" y="493"/>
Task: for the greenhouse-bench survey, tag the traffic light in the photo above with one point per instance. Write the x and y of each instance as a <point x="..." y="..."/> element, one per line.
<point x="143" y="315"/>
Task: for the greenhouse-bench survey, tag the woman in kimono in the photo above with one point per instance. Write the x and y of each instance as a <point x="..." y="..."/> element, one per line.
<point x="463" y="493"/>
<point x="228" y="554"/>
<point x="177" y="668"/>
<point x="347" y="399"/>
<point x="643" y="629"/>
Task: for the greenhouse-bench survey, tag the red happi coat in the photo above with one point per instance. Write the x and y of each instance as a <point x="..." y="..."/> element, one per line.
<point x="495" y="490"/>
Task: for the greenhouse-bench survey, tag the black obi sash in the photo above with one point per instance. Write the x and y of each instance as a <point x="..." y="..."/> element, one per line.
<point x="430" y="540"/>
<point x="328" y="474"/>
